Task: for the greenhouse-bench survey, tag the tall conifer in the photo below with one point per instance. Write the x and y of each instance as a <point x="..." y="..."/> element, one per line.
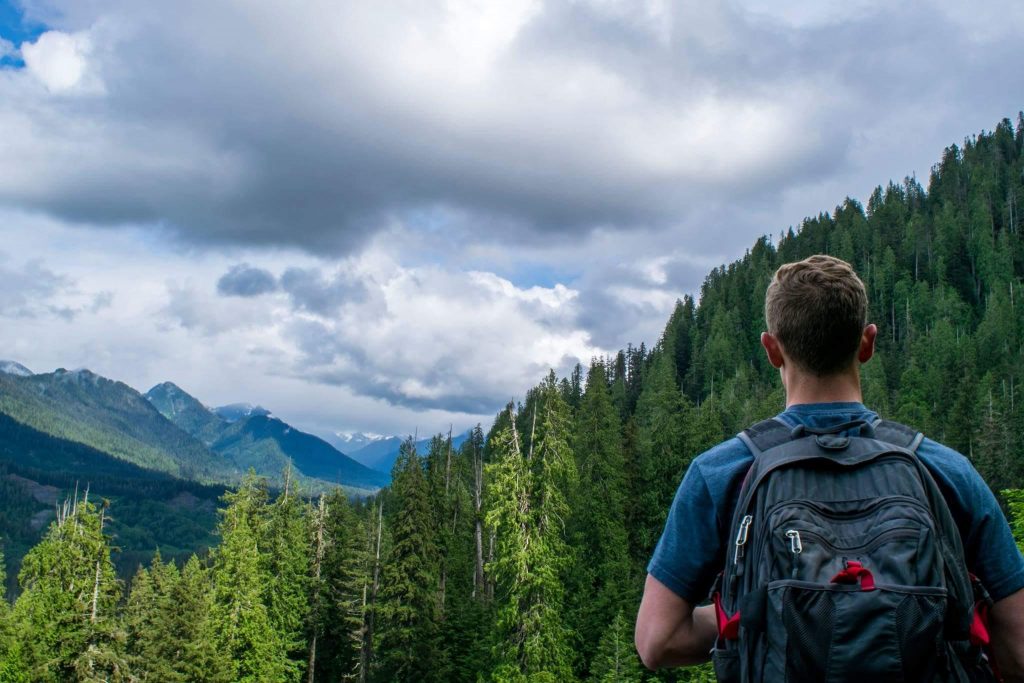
<point x="408" y="603"/>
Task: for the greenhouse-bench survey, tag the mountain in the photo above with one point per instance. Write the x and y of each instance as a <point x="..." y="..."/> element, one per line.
<point x="381" y="453"/>
<point x="249" y="437"/>
<point x="350" y="443"/>
<point x="152" y="509"/>
<point x="186" y="411"/>
<point x="265" y="440"/>
<point x="11" y="367"/>
<point x="83" y="407"/>
<point x="239" y="411"/>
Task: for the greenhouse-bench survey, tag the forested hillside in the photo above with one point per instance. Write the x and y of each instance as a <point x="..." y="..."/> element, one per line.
<point x="520" y="556"/>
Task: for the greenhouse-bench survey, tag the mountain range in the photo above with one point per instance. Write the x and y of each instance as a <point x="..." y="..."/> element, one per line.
<point x="167" y="430"/>
<point x="380" y="452"/>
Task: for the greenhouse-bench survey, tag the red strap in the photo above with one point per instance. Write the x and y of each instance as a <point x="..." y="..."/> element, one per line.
<point x="979" y="626"/>
<point x="728" y="627"/>
<point x="856" y="572"/>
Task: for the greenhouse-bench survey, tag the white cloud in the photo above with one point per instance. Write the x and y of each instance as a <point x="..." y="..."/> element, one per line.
<point x="58" y="60"/>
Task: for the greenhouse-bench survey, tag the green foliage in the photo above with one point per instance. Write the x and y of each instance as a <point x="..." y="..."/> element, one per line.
<point x="168" y="625"/>
<point x="242" y="627"/>
<point x="286" y="553"/>
<point x="528" y="509"/>
<point x="616" y="660"/>
<point x="600" y="581"/>
<point x="409" y="606"/>
<point x="1015" y="499"/>
<point x="66" y="618"/>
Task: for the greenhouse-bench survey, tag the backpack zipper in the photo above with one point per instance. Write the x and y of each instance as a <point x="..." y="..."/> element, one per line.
<point x="796" y="543"/>
<point x="741" y="539"/>
<point x="796" y="547"/>
<point x="765" y="536"/>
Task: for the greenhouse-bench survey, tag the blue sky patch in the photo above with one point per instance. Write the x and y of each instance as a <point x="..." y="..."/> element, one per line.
<point x="16" y="29"/>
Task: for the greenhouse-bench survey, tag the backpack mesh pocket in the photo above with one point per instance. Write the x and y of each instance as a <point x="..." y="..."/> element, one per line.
<point x="838" y="633"/>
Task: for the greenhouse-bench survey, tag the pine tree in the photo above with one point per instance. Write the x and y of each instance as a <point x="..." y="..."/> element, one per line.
<point x="528" y="510"/>
<point x="599" y="584"/>
<point x="344" y="590"/>
<point x="11" y="670"/>
<point x="242" y="627"/>
<point x="167" y="620"/>
<point x="285" y="546"/>
<point x="662" y="452"/>
<point x="190" y="614"/>
<point x="1015" y="498"/>
<point x="616" y="660"/>
<point x="408" y="607"/>
<point x="66" y="615"/>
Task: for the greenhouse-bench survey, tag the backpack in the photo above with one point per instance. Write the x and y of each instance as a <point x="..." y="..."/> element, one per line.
<point x="845" y="564"/>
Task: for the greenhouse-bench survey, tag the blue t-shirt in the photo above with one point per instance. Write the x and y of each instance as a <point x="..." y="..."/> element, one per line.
<point x="691" y="551"/>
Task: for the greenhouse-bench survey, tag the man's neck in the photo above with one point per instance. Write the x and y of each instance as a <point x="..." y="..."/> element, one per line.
<point x="802" y="388"/>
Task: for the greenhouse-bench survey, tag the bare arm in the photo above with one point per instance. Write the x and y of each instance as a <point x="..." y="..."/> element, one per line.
<point x="669" y="631"/>
<point x="1006" y="626"/>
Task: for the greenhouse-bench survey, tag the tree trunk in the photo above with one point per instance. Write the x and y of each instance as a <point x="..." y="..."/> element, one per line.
<point x="478" y="530"/>
<point x="317" y="558"/>
<point x="366" y="653"/>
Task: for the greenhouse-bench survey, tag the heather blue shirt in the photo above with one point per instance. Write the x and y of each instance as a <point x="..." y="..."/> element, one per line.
<point x="691" y="551"/>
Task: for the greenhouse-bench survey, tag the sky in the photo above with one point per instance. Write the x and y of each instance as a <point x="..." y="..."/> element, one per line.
<point x="397" y="216"/>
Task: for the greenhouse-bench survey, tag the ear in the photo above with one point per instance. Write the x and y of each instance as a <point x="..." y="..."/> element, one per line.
<point x="773" y="349"/>
<point x="867" y="343"/>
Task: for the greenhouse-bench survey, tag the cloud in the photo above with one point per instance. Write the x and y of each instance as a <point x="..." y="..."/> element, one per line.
<point x="311" y="291"/>
<point x="536" y="120"/>
<point x="246" y="281"/>
<point x="31" y="289"/>
<point x="428" y="337"/>
<point x="58" y="60"/>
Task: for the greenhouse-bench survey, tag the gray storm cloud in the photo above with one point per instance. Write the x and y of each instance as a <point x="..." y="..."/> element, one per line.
<point x="246" y="281"/>
<point x="264" y="125"/>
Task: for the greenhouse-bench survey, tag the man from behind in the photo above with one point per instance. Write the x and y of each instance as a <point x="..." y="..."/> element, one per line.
<point x="818" y="336"/>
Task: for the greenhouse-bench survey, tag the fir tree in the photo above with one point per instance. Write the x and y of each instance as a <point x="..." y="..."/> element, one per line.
<point x="66" y="616"/>
<point x="528" y="513"/>
<point x="241" y="624"/>
<point x="616" y="660"/>
<point x="409" y="607"/>
<point x="599" y="584"/>
<point x="286" y="553"/>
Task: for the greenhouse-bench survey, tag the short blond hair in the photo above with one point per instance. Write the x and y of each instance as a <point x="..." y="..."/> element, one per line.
<point x="817" y="309"/>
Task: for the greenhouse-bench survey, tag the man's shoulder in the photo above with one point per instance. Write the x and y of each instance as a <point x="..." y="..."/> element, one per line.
<point x="720" y="465"/>
<point x="948" y="464"/>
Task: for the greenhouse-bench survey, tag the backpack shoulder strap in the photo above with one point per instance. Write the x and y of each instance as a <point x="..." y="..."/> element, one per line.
<point x="765" y="435"/>
<point x="897" y="434"/>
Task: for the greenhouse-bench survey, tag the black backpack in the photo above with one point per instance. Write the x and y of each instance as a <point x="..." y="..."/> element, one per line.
<point x="845" y="565"/>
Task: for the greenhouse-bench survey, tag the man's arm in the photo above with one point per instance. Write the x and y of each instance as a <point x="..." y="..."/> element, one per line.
<point x="669" y="631"/>
<point x="1006" y="627"/>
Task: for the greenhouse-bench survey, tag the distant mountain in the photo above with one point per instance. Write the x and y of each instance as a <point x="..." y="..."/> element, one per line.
<point x="249" y="437"/>
<point x="379" y="455"/>
<point x="186" y="411"/>
<point x="150" y="509"/>
<point x="239" y="411"/>
<point x="265" y="440"/>
<point x="83" y="407"/>
<point x="382" y="453"/>
<point x="350" y="443"/>
<point x="11" y="367"/>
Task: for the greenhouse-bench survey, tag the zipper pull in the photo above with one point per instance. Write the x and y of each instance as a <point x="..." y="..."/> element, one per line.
<point x="796" y="547"/>
<point x="741" y="538"/>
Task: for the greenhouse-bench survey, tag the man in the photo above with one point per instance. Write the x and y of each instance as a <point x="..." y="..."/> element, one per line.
<point x="817" y="338"/>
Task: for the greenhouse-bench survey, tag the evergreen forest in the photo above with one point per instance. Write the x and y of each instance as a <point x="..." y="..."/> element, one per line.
<point x="520" y="554"/>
